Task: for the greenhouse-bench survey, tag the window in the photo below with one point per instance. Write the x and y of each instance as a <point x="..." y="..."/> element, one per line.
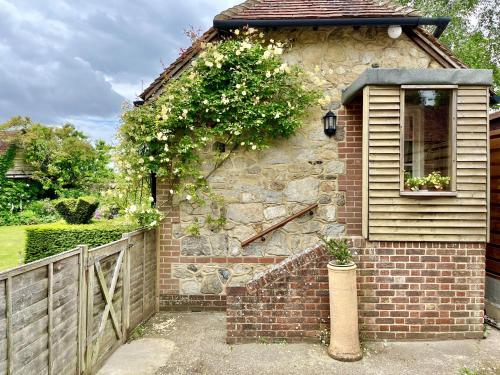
<point x="428" y="141"/>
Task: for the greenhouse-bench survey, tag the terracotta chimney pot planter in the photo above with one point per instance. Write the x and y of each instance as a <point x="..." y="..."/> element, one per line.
<point x="344" y="339"/>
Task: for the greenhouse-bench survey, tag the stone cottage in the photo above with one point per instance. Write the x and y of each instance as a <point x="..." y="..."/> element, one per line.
<point x="402" y="102"/>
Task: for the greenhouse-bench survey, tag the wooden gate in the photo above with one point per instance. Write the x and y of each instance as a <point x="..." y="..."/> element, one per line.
<point x="120" y="294"/>
<point x="68" y="313"/>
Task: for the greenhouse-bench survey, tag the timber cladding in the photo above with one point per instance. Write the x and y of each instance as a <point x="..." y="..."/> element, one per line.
<point x="393" y="217"/>
<point x="66" y="314"/>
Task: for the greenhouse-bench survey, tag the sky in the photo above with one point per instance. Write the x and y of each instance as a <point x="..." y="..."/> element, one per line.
<point x="79" y="61"/>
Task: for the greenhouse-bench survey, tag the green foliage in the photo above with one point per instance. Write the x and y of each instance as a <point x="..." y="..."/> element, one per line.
<point x="77" y="211"/>
<point x="50" y="239"/>
<point x="7" y="159"/>
<point x="36" y="212"/>
<point x="474" y="31"/>
<point x="14" y="194"/>
<point x="436" y="181"/>
<point x="433" y="180"/>
<point x="145" y="215"/>
<point x="339" y="249"/>
<point x="63" y="158"/>
<point x="193" y="229"/>
<point x="238" y="92"/>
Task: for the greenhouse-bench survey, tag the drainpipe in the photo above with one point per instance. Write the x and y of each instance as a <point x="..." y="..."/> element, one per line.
<point x="440" y="22"/>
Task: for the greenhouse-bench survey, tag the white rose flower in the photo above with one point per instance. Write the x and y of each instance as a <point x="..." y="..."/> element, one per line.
<point x="237" y="32"/>
<point x="254" y="147"/>
<point x="188" y="197"/>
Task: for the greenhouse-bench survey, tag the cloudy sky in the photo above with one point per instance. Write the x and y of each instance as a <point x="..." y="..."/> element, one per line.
<point x="78" y="61"/>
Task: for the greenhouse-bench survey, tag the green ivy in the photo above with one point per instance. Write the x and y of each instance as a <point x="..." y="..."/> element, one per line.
<point x="46" y="240"/>
<point x="238" y="92"/>
<point x="7" y="160"/>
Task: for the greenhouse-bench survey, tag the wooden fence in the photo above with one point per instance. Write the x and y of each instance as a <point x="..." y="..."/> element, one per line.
<point x="67" y="314"/>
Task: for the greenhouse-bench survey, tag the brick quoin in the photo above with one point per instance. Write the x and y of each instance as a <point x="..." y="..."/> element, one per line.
<point x="169" y="247"/>
<point x="350" y="150"/>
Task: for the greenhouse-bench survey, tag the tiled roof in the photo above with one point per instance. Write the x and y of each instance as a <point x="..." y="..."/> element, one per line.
<point x="286" y="9"/>
<point x="320" y="9"/>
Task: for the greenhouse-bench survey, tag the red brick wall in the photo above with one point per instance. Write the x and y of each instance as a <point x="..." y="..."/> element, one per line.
<point x="405" y="291"/>
<point x="169" y="247"/>
<point x="290" y="301"/>
<point x="351" y="150"/>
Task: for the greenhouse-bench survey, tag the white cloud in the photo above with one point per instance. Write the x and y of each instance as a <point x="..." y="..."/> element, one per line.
<point x="79" y="60"/>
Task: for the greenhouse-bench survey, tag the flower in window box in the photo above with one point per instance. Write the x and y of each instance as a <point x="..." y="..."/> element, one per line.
<point x="437" y="182"/>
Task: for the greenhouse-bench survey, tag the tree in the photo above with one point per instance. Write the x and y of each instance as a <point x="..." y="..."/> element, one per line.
<point x="63" y="159"/>
<point x="473" y="33"/>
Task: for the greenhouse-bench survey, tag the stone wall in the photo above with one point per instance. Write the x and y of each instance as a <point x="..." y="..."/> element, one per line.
<point x="262" y="188"/>
<point x="405" y="291"/>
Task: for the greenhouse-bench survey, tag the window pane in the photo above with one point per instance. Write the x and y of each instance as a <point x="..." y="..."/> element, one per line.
<point x="427" y="146"/>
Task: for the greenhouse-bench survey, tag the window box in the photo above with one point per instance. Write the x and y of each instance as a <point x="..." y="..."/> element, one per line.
<point x="428" y="194"/>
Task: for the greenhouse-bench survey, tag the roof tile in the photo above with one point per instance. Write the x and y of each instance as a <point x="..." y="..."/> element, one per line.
<point x="320" y="9"/>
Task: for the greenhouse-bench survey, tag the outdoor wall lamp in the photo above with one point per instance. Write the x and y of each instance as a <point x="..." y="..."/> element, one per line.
<point x="330" y="123"/>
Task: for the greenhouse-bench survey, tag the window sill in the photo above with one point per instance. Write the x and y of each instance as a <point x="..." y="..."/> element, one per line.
<point x="428" y="194"/>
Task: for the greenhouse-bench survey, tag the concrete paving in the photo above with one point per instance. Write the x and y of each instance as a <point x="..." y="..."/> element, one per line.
<point x="193" y="343"/>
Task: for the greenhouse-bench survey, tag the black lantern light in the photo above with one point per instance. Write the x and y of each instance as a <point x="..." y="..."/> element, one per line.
<point x="330" y="123"/>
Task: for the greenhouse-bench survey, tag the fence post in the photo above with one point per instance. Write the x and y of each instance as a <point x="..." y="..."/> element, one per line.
<point x="50" y="314"/>
<point x="144" y="246"/>
<point x="82" y="307"/>
<point x="89" y="338"/>
<point x="126" y="288"/>
<point x="10" y="333"/>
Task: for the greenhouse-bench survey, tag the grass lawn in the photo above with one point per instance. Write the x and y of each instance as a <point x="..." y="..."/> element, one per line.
<point x="11" y="246"/>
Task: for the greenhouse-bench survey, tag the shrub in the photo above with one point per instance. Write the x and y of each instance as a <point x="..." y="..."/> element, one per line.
<point x="50" y="239"/>
<point x="77" y="211"/>
<point x="339" y="249"/>
<point x="36" y="212"/>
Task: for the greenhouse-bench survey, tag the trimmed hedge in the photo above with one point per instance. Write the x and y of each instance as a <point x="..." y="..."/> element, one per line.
<point x="77" y="211"/>
<point x="50" y="239"/>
